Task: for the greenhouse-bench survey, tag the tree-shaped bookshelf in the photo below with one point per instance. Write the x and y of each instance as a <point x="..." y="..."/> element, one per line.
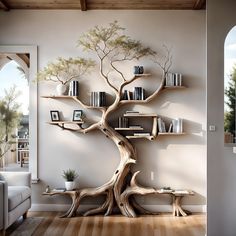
<point x="112" y="48"/>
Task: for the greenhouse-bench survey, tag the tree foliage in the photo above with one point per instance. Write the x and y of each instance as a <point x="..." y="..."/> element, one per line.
<point x="65" y="70"/>
<point x="112" y="46"/>
<point x="9" y="120"/>
<point x="230" y="92"/>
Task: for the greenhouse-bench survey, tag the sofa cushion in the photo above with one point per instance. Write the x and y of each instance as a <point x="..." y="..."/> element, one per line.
<point x="17" y="195"/>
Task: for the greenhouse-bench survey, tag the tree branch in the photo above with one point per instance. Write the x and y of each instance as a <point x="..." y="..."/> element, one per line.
<point x="106" y="78"/>
<point x="80" y="129"/>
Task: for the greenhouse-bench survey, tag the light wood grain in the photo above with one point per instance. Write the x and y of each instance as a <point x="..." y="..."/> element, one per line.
<point x="158" y="225"/>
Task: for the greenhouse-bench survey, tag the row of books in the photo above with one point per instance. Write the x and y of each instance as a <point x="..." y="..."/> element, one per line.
<point x="173" y="79"/>
<point x="137" y="94"/>
<point x="123" y="122"/>
<point x="176" y="126"/>
<point x="98" y="99"/>
<point x="74" y="88"/>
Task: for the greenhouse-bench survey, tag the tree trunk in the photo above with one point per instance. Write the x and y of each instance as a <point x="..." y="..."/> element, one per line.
<point x="127" y="158"/>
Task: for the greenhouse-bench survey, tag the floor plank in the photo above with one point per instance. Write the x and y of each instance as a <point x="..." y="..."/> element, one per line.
<point x="117" y="225"/>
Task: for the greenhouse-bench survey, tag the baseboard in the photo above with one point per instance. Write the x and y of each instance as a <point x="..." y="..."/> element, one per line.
<point x="154" y="208"/>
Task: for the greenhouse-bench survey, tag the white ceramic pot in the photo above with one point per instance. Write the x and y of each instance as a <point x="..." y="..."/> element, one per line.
<point x="61" y="89"/>
<point x="70" y="185"/>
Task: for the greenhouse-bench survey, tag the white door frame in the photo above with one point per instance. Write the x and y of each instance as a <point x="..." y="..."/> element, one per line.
<point x="33" y="103"/>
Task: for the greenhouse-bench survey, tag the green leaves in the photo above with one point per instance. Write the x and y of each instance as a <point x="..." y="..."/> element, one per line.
<point x="9" y="119"/>
<point x="69" y="175"/>
<point x="111" y="43"/>
<point x="230" y="92"/>
<point x="64" y="70"/>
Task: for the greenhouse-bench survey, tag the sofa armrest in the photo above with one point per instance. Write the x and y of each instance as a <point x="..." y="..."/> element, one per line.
<point x="16" y="178"/>
<point x="3" y="205"/>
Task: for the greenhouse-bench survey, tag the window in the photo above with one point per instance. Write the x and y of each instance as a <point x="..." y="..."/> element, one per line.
<point x="230" y="87"/>
<point x="24" y="59"/>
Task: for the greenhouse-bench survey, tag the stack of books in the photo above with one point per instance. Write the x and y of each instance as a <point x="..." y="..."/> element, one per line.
<point x="141" y="134"/>
<point x="59" y="190"/>
<point x="166" y="190"/>
<point x="98" y="99"/>
<point x="74" y="88"/>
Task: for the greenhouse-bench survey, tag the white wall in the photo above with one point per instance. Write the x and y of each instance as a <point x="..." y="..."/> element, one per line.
<point x="221" y="162"/>
<point x="179" y="162"/>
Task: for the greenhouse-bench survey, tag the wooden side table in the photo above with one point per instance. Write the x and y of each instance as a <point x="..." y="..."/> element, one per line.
<point x="74" y="205"/>
<point x="177" y="196"/>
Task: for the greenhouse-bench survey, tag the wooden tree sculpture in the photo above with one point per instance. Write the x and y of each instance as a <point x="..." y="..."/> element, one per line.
<point x="112" y="47"/>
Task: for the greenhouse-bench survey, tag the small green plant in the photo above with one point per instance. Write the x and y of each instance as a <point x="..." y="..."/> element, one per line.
<point x="69" y="175"/>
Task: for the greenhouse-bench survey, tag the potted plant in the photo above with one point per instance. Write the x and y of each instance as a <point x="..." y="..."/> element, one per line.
<point x="70" y="176"/>
<point x="65" y="70"/>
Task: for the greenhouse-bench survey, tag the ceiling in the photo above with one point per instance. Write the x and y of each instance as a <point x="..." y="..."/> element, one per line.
<point x="85" y="5"/>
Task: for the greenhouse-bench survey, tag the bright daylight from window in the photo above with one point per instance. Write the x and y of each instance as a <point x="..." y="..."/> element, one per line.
<point x="14" y="118"/>
<point x="230" y="86"/>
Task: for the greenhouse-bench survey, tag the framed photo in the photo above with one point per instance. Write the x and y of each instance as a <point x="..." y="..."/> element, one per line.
<point x="55" y="115"/>
<point x="77" y="115"/>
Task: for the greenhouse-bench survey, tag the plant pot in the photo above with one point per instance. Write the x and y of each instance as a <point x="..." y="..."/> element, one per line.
<point x="70" y="185"/>
<point x="61" y="89"/>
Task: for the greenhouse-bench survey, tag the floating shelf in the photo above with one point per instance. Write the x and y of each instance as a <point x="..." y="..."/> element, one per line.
<point x="142" y="75"/>
<point x="174" y="87"/>
<point x="150" y="137"/>
<point x="170" y="134"/>
<point x="137" y="128"/>
<point x="61" y="96"/>
<point x="65" y="122"/>
<point x="140" y="115"/>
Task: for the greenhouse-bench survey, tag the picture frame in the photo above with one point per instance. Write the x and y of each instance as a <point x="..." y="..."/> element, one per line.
<point x="77" y="115"/>
<point x="55" y="116"/>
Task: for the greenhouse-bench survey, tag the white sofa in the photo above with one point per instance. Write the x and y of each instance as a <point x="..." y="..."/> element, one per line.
<point x="15" y="197"/>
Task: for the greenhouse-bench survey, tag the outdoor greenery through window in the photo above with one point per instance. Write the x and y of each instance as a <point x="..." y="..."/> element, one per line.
<point x="14" y="116"/>
<point x="230" y="86"/>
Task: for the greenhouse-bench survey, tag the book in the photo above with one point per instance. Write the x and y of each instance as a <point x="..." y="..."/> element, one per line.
<point x="161" y="125"/>
<point x="170" y="128"/>
<point x="177" y="125"/>
<point x="173" y="79"/>
<point x="141" y="134"/>
<point x="166" y="190"/>
<point x="123" y="122"/>
<point x="182" y="192"/>
<point x="98" y="99"/>
<point x="132" y="112"/>
<point x="59" y="190"/>
<point x="74" y="88"/>
<point x="139" y="93"/>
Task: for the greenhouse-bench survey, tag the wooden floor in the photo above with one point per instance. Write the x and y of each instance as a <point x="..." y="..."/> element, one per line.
<point x="117" y="225"/>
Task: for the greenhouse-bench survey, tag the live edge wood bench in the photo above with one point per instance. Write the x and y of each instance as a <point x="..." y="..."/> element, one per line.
<point x="177" y="196"/>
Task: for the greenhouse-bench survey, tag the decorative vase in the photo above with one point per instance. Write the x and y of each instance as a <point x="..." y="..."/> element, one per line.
<point x="70" y="185"/>
<point x="61" y="89"/>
